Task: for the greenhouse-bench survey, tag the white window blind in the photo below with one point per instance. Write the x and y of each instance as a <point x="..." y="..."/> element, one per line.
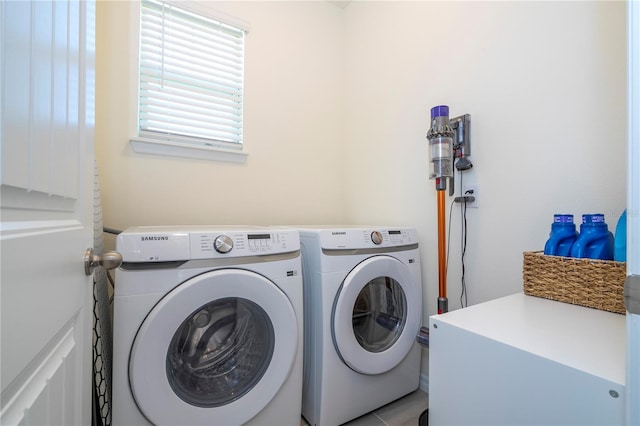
<point x="191" y="78"/>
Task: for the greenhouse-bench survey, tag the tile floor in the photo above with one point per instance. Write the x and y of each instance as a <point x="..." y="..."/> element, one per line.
<point x="403" y="412"/>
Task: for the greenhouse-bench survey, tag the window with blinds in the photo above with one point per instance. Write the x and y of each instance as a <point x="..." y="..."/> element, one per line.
<point x="190" y="78"/>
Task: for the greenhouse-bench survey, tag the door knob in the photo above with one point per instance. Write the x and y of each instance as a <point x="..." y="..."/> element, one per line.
<point x="108" y="260"/>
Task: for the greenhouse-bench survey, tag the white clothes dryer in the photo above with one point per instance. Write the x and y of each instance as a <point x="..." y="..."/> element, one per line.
<point x="363" y="309"/>
<point x="208" y="325"/>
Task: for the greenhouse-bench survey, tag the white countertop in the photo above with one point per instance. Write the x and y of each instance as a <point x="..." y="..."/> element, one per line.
<point x="587" y="339"/>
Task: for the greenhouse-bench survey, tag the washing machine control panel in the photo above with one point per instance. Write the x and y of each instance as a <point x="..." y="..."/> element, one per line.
<point x="236" y="244"/>
<point x="166" y="244"/>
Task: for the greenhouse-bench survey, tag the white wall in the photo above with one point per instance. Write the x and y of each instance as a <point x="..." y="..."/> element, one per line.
<point x="544" y="83"/>
<point x="293" y="127"/>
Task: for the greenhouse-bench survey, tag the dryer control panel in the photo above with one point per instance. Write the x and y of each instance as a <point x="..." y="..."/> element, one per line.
<point x="166" y="244"/>
<point x="363" y="237"/>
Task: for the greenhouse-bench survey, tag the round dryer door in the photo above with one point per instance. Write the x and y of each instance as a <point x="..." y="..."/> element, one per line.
<point x="215" y="350"/>
<point x="376" y="315"/>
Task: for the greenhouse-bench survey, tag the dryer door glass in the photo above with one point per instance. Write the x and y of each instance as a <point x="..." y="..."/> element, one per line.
<point x="376" y="314"/>
<point x="220" y="352"/>
<point x="379" y="314"/>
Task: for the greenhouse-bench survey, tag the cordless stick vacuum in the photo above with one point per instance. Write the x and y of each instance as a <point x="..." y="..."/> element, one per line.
<point x="440" y="137"/>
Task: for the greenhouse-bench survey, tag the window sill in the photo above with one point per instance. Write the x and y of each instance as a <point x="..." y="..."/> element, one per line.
<point x="172" y="149"/>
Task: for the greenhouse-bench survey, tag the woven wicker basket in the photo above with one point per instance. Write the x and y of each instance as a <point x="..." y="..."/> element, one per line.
<point x="592" y="283"/>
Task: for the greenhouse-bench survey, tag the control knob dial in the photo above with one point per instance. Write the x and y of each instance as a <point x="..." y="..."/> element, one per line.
<point x="223" y="244"/>
<point x="376" y="237"/>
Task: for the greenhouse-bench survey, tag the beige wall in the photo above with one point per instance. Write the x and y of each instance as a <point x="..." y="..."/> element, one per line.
<point x="337" y="108"/>
<point x="293" y="127"/>
<point x="545" y="85"/>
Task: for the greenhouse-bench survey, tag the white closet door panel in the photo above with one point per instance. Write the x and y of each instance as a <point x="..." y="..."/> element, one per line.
<point x="76" y="116"/>
<point x="41" y="144"/>
<point x="59" y="114"/>
<point x="15" y="105"/>
<point x="40" y="74"/>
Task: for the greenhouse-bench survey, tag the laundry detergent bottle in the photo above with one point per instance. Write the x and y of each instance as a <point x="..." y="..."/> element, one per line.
<point x="620" y="244"/>
<point x="562" y="236"/>
<point x="595" y="240"/>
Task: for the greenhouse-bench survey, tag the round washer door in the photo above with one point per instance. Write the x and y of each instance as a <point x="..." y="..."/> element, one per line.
<point x="376" y="315"/>
<point x="215" y="350"/>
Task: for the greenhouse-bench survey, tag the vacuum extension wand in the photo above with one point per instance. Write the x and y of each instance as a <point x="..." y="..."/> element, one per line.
<point x="443" y="302"/>
<point x="440" y="137"/>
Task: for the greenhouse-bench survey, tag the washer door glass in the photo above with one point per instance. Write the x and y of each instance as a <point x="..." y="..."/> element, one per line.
<point x="379" y="314"/>
<point x="220" y="352"/>
<point x="215" y="350"/>
<point x="376" y="315"/>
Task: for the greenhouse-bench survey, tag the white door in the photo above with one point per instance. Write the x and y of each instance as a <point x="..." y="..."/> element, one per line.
<point x="376" y="315"/>
<point x="47" y="122"/>
<point x="215" y="350"/>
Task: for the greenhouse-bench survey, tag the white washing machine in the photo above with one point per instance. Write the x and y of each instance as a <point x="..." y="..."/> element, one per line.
<point x="208" y="327"/>
<point x="363" y="309"/>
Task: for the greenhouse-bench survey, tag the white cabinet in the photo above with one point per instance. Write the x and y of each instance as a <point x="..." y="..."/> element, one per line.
<point x="523" y="360"/>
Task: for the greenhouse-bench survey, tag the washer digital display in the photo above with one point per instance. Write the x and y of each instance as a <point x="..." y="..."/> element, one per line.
<point x="259" y="236"/>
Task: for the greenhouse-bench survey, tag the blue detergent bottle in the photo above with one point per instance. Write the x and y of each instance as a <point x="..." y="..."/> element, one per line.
<point x="563" y="234"/>
<point x="595" y="240"/>
<point x="620" y="243"/>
